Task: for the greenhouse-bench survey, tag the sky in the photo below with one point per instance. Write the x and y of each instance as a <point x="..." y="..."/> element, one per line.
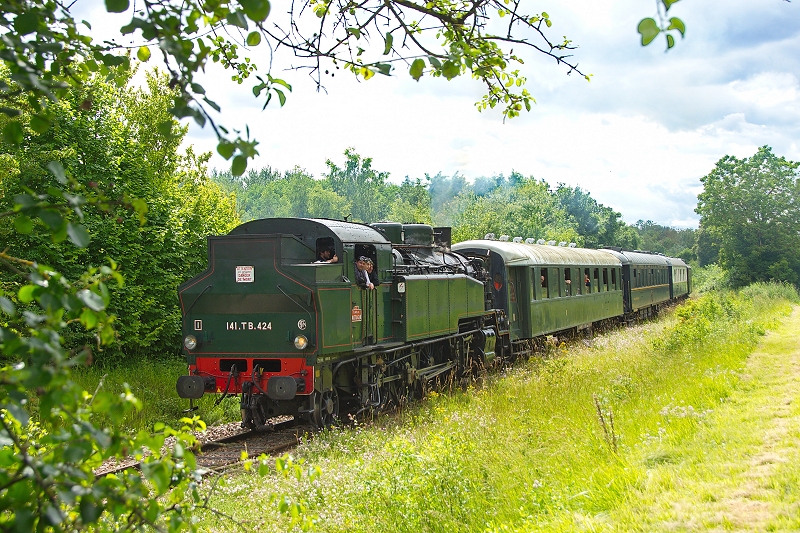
<point x="638" y="137"/>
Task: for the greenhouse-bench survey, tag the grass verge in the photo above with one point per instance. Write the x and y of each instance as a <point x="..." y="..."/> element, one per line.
<point x="564" y="443"/>
<point x="153" y="383"/>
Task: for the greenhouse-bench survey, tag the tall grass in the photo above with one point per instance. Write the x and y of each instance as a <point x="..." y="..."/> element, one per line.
<point x="153" y="383"/>
<point x="535" y="450"/>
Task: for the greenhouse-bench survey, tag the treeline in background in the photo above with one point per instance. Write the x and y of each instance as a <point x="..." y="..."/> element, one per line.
<point x="103" y="133"/>
<point x="515" y="205"/>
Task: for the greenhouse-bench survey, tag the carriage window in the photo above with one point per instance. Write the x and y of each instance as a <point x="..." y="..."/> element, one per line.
<point x="596" y="280"/>
<point x="614" y="278"/>
<point x="587" y="283"/>
<point x="544" y="279"/>
<point x="567" y="282"/>
<point x="605" y="279"/>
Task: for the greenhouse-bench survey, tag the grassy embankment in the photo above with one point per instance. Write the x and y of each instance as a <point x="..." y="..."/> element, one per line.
<point x="632" y="433"/>
<point x="153" y="383"/>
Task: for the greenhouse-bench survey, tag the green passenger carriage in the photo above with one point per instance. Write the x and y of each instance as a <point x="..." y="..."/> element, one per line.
<point x="546" y="289"/>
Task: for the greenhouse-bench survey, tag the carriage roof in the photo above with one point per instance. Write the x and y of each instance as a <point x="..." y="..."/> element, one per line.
<point x="523" y="254"/>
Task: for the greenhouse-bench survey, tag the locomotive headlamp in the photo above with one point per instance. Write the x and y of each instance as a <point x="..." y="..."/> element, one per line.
<point x="300" y="342"/>
<point x="190" y="342"/>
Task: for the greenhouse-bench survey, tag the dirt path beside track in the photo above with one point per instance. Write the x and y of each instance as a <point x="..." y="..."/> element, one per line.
<point x="742" y="471"/>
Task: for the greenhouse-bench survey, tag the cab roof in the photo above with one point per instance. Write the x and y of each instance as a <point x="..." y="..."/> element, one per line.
<point x="318" y="227"/>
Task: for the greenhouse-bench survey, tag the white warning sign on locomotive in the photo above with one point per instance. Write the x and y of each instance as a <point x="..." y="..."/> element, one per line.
<point x="245" y="274"/>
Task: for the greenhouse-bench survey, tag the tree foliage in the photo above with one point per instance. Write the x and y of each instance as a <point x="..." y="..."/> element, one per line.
<point x="666" y="240"/>
<point x="102" y="134"/>
<point x="354" y="190"/>
<point x="528" y="210"/>
<point x="515" y="205"/>
<point x="599" y="225"/>
<point x="295" y="193"/>
<point x="102" y="178"/>
<point x="749" y="208"/>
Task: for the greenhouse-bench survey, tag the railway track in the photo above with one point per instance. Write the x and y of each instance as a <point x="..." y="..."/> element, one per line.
<point x="223" y="453"/>
<point x="216" y="455"/>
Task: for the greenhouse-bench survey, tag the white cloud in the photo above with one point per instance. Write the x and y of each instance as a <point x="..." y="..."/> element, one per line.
<point x="767" y="89"/>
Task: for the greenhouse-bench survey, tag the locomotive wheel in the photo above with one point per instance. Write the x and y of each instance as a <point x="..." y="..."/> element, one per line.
<point x="326" y="408"/>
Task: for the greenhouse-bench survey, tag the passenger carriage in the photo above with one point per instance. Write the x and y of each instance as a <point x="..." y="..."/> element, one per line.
<point x="546" y="289"/>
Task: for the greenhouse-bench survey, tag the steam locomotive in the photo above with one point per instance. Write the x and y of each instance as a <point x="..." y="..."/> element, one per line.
<point x="293" y="336"/>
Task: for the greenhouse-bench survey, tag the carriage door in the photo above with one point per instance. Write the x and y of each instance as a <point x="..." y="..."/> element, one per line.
<point x="518" y="300"/>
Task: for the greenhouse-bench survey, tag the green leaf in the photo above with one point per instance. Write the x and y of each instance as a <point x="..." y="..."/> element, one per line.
<point x="9" y="112"/>
<point x="212" y="104"/>
<point x="668" y="3"/>
<point x="88" y="318"/>
<point x="280" y="82"/>
<point x="19" y="413"/>
<point x="143" y="53"/>
<point x="434" y="61"/>
<point x="26" y="23"/>
<point x="226" y="149"/>
<point x="384" y="68"/>
<point x="165" y="128"/>
<point x="239" y="165"/>
<point x="281" y="96"/>
<point x="60" y="234"/>
<point x="416" y="69"/>
<point x="40" y="123"/>
<point x="24" y="200"/>
<point x="236" y="18"/>
<point x="58" y="171"/>
<point x="388" y="40"/>
<point x="354" y="31"/>
<point x="78" y="235"/>
<point x="51" y="217"/>
<point x="13" y="133"/>
<point x="450" y="69"/>
<point x="253" y="38"/>
<point x="670" y="41"/>
<point x="117" y="6"/>
<point x="140" y="206"/>
<point x="158" y="474"/>
<point x="26" y="293"/>
<point x="677" y="24"/>
<point x="7" y="306"/>
<point x="23" y="224"/>
<point x="90" y="511"/>
<point x="256" y="10"/>
<point x="92" y="300"/>
<point x="648" y="30"/>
